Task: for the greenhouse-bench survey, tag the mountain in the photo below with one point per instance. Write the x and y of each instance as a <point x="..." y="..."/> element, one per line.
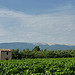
<point x="21" y="46"/>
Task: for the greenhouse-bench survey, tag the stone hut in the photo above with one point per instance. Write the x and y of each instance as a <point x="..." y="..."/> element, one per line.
<point x="5" y="54"/>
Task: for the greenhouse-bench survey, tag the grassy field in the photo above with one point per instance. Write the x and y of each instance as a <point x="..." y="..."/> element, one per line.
<point x="38" y="66"/>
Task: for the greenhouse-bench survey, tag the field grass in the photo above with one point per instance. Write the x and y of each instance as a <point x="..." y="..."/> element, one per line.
<point x="38" y="66"/>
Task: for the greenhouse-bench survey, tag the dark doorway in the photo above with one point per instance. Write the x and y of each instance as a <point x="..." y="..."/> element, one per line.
<point x="6" y="58"/>
<point x="7" y="53"/>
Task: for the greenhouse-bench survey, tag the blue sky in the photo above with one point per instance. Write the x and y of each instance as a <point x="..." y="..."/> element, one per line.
<point x="34" y="6"/>
<point x="48" y="21"/>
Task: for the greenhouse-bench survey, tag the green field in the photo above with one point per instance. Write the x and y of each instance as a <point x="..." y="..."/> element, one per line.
<point x="38" y="66"/>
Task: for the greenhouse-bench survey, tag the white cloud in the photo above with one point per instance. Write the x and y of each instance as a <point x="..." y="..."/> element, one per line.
<point x="3" y="33"/>
<point x="54" y="28"/>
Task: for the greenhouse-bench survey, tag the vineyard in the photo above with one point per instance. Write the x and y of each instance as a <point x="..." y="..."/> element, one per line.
<point x="39" y="66"/>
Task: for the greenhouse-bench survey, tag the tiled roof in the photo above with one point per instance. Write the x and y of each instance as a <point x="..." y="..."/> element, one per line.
<point x="5" y="50"/>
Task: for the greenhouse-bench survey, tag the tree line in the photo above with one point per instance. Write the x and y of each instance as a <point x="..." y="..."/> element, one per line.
<point x="40" y="53"/>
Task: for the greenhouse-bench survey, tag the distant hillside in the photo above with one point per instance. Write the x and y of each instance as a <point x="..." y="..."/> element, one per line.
<point x="22" y="46"/>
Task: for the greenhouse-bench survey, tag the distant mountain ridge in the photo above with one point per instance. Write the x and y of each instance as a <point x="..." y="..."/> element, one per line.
<point x="22" y="46"/>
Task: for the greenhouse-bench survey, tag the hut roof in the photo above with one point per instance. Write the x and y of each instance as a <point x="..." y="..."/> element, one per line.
<point x="5" y="50"/>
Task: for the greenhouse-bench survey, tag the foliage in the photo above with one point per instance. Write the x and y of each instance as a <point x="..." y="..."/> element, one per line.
<point x="39" y="53"/>
<point x="15" y="54"/>
<point x="39" y="66"/>
<point x="36" y="48"/>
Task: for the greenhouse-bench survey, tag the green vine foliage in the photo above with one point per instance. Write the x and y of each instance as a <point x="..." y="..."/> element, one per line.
<point x="38" y="66"/>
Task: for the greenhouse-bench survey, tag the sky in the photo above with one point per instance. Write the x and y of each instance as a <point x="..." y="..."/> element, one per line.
<point x="44" y="21"/>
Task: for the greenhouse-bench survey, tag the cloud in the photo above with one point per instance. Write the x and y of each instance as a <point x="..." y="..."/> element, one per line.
<point x="2" y="33"/>
<point x="52" y="27"/>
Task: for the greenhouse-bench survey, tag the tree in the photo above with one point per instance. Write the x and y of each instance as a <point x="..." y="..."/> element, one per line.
<point x="15" y="54"/>
<point x="25" y="53"/>
<point x="36" y="48"/>
<point x="50" y="54"/>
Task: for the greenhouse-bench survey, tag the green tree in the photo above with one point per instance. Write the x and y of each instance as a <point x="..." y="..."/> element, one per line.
<point x="25" y="53"/>
<point x="15" y="54"/>
<point x="36" y="48"/>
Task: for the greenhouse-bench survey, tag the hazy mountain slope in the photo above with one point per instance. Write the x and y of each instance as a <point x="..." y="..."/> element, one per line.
<point x="22" y="46"/>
